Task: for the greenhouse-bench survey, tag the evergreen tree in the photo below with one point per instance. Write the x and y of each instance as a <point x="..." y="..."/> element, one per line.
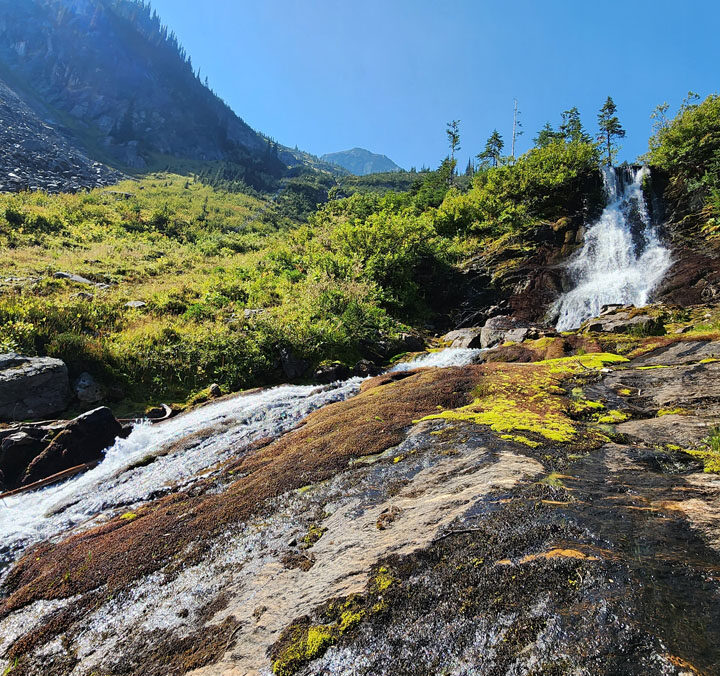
<point x="453" y="135"/>
<point x="516" y="130"/>
<point x="470" y="169"/>
<point x="546" y="136"/>
<point x="610" y="129"/>
<point x="571" y="129"/>
<point x="493" y="150"/>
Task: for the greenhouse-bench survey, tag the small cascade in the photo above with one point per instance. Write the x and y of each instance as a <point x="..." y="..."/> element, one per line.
<point x="622" y="260"/>
<point x="157" y="459"/>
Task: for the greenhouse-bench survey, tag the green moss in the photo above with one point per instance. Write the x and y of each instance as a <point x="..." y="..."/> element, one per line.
<point x="648" y="368"/>
<point x="382" y="580"/>
<point x="308" y="644"/>
<point x="528" y="397"/>
<point x="521" y="440"/>
<point x="129" y="516"/>
<point x="581" y="406"/>
<point x="709" y="453"/>
<point x="673" y="411"/>
<point x="613" y="417"/>
<point x="553" y="479"/>
<point x="312" y="536"/>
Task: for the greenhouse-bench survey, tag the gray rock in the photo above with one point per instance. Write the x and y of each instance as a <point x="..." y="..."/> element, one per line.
<point x="73" y="278"/>
<point x="32" y="388"/>
<point x="622" y="322"/>
<point x="464" y="337"/>
<point x="215" y="391"/>
<point x="135" y="304"/>
<point x="502" y="329"/>
<point x="88" y="390"/>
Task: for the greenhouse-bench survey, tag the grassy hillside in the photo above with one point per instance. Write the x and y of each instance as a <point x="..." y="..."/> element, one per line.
<point x="229" y="283"/>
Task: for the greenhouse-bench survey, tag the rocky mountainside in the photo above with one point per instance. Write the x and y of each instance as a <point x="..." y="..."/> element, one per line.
<point x="361" y="162"/>
<point x="36" y="157"/>
<point x="112" y="77"/>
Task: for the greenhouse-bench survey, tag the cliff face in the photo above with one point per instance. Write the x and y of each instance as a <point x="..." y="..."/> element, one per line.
<point x="107" y="72"/>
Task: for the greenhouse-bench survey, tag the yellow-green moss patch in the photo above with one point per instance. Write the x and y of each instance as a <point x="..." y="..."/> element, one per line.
<point x="613" y="417"/>
<point x="528" y="397"/>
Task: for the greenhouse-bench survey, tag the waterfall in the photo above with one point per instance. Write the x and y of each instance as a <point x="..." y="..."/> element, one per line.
<point x="157" y="459"/>
<point x="622" y="259"/>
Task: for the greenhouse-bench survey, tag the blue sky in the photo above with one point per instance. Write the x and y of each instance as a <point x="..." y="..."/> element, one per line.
<point x="386" y="75"/>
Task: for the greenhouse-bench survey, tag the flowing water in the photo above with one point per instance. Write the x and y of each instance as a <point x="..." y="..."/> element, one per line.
<point x="157" y="459"/>
<point x="622" y="260"/>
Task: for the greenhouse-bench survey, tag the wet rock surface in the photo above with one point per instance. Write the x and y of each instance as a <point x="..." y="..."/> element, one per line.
<point x="80" y="441"/>
<point x="577" y="544"/>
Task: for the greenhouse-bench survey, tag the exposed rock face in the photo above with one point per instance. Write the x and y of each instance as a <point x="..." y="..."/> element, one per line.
<point x="503" y="329"/>
<point x="32" y="388"/>
<point x="619" y="320"/>
<point x="464" y="338"/>
<point x="36" y="157"/>
<point x="88" y="390"/>
<point x="81" y="441"/>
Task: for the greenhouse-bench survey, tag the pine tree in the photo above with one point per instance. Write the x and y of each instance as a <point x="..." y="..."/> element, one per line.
<point x="610" y="129"/>
<point x="517" y="125"/>
<point x="470" y="169"/>
<point x="546" y="136"/>
<point x="453" y="135"/>
<point x="571" y="128"/>
<point x="493" y="150"/>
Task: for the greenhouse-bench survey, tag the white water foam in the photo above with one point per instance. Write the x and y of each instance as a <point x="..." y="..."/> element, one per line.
<point x="622" y="260"/>
<point x="451" y="356"/>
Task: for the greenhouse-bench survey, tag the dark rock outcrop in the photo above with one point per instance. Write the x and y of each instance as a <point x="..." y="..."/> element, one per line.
<point x="32" y="388"/>
<point x="81" y="441"/>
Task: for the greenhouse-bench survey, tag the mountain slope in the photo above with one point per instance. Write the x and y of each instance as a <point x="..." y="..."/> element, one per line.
<point x="360" y="162"/>
<point x="109" y="72"/>
<point x="34" y="156"/>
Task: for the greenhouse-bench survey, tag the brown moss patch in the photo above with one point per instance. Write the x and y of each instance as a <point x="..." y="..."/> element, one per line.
<point x="179" y="528"/>
<point x="544" y="348"/>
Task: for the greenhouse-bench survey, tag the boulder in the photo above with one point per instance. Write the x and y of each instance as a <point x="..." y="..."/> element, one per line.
<point x="82" y="440"/>
<point x="501" y="329"/>
<point x="32" y="388"/>
<point x="409" y="342"/>
<point x="214" y="391"/>
<point x="330" y="373"/>
<point x="624" y="322"/>
<point x="88" y="390"/>
<point x="365" y="368"/>
<point x="18" y="447"/>
<point x="464" y="337"/>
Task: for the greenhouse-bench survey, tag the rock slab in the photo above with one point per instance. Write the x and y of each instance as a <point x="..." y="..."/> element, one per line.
<point x="32" y="388"/>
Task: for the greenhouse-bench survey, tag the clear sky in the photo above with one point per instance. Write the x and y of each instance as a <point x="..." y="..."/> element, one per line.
<point x="386" y="75"/>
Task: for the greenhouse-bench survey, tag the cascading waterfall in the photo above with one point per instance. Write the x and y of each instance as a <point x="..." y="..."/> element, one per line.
<point x="150" y="462"/>
<point x="622" y="260"/>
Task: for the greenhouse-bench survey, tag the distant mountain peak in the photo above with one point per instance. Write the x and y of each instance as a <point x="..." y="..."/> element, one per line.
<point x="361" y="162"/>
